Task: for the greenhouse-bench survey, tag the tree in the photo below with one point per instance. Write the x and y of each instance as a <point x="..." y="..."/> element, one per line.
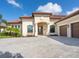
<point x="3" y="20"/>
<point x="0" y="18"/>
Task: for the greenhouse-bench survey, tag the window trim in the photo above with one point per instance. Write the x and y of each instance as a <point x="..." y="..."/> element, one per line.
<point x="52" y="31"/>
<point x="31" y="28"/>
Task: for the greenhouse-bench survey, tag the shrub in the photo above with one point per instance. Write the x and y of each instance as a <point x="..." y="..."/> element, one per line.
<point x="13" y="32"/>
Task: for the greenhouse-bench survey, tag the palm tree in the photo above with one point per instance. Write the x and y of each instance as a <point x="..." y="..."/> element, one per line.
<point x="0" y="16"/>
<point x="2" y="20"/>
<point x="3" y="23"/>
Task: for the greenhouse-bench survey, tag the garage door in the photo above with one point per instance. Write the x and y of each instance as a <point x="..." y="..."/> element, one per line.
<point x="63" y="30"/>
<point x="75" y="29"/>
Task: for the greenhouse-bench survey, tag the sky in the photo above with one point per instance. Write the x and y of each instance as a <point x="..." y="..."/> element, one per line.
<point x="13" y="9"/>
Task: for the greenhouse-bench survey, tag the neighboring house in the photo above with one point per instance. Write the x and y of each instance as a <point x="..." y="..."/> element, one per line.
<point x="2" y="27"/>
<point x="40" y="23"/>
<point x="69" y="26"/>
<point x="15" y="24"/>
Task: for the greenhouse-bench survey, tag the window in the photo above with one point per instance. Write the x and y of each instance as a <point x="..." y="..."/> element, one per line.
<point x="15" y="26"/>
<point x="18" y="26"/>
<point x="30" y="28"/>
<point x="52" y="29"/>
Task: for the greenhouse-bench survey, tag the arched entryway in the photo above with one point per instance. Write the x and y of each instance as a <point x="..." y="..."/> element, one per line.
<point x="42" y="28"/>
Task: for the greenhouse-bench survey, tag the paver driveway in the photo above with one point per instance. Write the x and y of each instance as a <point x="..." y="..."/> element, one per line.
<point x="40" y="46"/>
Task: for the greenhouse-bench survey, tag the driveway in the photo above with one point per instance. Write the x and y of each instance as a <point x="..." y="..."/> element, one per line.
<point x="41" y="46"/>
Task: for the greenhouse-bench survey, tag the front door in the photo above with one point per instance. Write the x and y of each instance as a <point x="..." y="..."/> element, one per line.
<point x="40" y="30"/>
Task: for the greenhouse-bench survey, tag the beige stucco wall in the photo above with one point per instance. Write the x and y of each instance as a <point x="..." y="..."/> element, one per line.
<point x="26" y="22"/>
<point x="67" y="22"/>
<point x="42" y="18"/>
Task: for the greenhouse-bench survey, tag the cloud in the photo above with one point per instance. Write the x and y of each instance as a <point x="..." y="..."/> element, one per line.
<point x="50" y="7"/>
<point x="72" y="11"/>
<point x="14" y="3"/>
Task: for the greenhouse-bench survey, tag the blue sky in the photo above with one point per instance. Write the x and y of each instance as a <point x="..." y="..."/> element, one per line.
<point x="13" y="9"/>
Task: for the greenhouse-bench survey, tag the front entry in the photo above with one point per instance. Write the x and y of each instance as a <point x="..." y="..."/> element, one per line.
<point x="42" y="28"/>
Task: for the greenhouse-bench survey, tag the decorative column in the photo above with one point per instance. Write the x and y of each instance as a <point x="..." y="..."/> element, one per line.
<point x="36" y="29"/>
<point x="48" y="29"/>
<point x="69" y="30"/>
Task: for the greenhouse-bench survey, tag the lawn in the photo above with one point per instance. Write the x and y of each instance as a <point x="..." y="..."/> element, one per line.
<point x="6" y="37"/>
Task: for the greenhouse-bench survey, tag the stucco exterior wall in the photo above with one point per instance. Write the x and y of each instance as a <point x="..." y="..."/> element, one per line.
<point x="41" y="18"/>
<point x="26" y="22"/>
<point x="67" y="22"/>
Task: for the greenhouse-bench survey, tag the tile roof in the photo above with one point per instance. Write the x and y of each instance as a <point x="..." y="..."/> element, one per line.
<point x="31" y="17"/>
<point x="26" y="17"/>
<point x="15" y="22"/>
<point x="71" y="15"/>
<point x="57" y="17"/>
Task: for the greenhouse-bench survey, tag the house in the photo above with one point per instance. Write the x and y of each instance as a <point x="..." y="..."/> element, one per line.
<point x="69" y="26"/>
<point x="15" y="24"/>
<point x="40" y="23"/>
<point x="2" y="27"/>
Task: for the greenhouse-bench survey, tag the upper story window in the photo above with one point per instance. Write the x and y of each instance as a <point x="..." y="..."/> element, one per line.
<point x="52" y="29"/>
<point x="29" y="28"/>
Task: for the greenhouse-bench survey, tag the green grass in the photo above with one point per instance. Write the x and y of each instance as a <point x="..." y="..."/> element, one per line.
<point x="6" y="37"/>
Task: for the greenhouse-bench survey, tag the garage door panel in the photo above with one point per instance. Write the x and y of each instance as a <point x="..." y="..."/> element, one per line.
<point x="63" y="30"/>
<point x="75" y="29"/>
